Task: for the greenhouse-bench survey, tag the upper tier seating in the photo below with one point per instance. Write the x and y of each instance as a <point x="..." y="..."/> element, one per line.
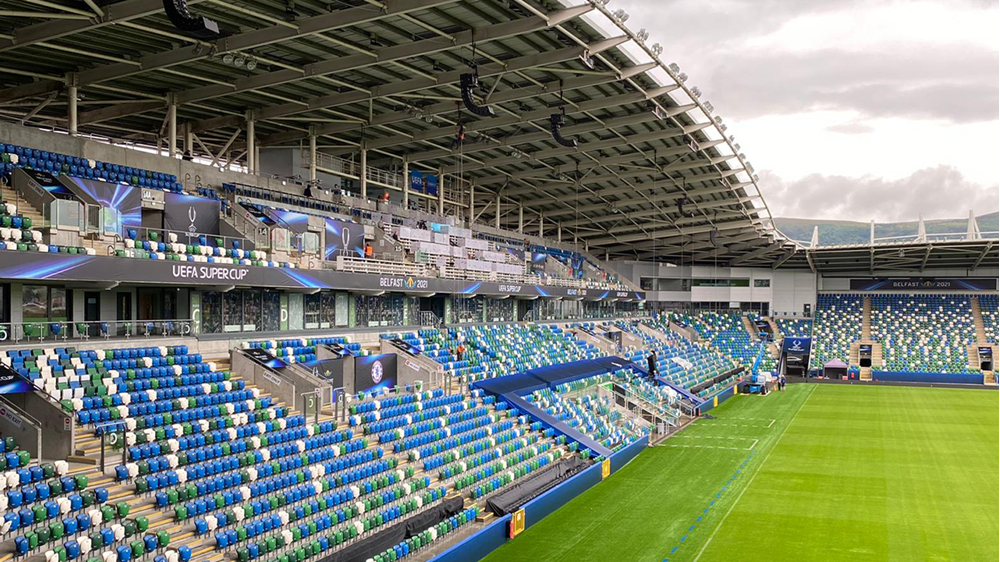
<point x="13" y="156"/>
<point x="923" y="333"/>
<point x="988" y="305"/>
<point x="836" y="326"/>
<point x="795" y="327"/>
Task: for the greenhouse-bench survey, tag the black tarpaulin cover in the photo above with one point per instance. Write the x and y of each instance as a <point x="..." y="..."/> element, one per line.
<point x="521" y="492"/>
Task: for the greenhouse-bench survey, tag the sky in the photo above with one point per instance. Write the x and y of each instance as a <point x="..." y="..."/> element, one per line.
<point x="852" y="110"/>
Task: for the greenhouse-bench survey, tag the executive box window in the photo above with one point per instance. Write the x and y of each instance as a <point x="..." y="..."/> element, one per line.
<point x="721" y="282"/>
<point x="271" y="314"/>
<point x="211" y="312"/>
<point x="44" y="304"/>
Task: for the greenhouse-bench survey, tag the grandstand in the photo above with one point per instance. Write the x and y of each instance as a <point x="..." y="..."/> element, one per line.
<point x="314" y="282"/>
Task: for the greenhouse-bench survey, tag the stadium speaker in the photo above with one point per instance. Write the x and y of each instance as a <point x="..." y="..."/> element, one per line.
<point x="712" y="235"/>
<point x="556" y="121"/>
<point x="680" y="207"/>
<point x="195" y="26"/>
<point x="470" y="82"/>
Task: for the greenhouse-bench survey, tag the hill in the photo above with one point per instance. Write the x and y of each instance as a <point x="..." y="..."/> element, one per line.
<point x="850" y="232"/>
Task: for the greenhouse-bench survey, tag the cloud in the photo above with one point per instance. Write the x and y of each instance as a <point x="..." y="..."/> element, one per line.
<point x="851" y="128"/>
<point x="938" y="192"/>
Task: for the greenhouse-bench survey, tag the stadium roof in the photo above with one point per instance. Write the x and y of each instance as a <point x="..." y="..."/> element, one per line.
<point x="654" y="176"/>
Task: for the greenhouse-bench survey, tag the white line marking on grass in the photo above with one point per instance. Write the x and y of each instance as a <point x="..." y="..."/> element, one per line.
<point x="752" y="478"/>
<point x="752" y="446"/>
<point x="772" y="421"/>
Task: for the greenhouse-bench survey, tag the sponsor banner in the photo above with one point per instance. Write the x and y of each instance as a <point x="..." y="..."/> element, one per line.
<point x="125" y="199"/>
<point x="188" y="216"/>
<point x="431" y="184"/>
<point x="37" y="266"/>
<point x="538" y="261"/>
<point x="342" y="235"/>
<point x="330" y="370"/>
<point x="986" y="352"/>
<point x="924" y="284"/>
<point x="298" y="223"/>
<point x="416" y="181"/>
<point x="798" y="346"/>
<point x="374" y="372"/>
<point x="12" y="383"/>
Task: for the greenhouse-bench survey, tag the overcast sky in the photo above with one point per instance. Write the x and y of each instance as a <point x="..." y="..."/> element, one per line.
<point x="848" y="109"/>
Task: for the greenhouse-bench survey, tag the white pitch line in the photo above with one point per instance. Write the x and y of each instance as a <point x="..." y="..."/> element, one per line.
<point x="770" y="424"/>
<point x="752" y="446"/>
<point x="752" y="478"/>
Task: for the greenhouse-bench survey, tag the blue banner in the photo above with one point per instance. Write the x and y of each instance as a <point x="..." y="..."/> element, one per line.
<point x="416" y="180"/>
<point x="796" y="345"/>
<point x="431" y="183"/>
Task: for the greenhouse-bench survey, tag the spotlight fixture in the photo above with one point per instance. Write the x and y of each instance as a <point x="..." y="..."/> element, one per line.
<point x="437" y="67"/>
<point x="251" y="63"/>
<point x="642" y="35"/>
<point x="673" y="67"/>
<point x="227" y="58"/>
<point x="680" y="207"/>
<point x="755" y="178"/>
<point x="469" y="82"/>
<point x="195" y="26"/>
<point x="239" y="61"/>
<point x="682" y="77"/>
<point x="657" y="49"/>
<point x="709" y="107"/>
<point x="374" y="41"/>
<point x="736" y="146"/>
<point x="696" y="92"/>
<point x="556" y="121"/>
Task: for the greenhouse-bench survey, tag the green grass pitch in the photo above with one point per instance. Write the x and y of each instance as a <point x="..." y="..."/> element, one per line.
<point x="818" y="472"/>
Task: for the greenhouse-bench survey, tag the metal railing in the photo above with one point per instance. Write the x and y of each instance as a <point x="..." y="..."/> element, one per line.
<point x="65" y="331"/>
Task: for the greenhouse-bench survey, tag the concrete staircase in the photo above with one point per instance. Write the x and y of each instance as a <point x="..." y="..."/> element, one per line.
<point x="25" y="209"/>
<point x="775" y="329"/>
<point x="989" y="377"/>
<point x="750" y="328"/>
<point x="866" y="338"/>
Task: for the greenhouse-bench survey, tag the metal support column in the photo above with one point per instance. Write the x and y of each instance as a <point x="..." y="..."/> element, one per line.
<point x="188" y="139"/>
<point x="441" y="191"/>
<point x="520" y="218"/>
<point x="541" y="225"/>
<point x="472" y="204"/>
<point x="363" y="173"/>
<point x="251" y="145"/>
<point x="172" y="126"/>
<point x="312" y="155"/>
<point x="497" y="218"/>
<point x="406" y="183"/>
<point x="71" y="93"/>
<point x="559" y="232"/>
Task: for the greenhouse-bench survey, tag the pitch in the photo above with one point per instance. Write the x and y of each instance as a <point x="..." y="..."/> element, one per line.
<point x="818" y="472"/>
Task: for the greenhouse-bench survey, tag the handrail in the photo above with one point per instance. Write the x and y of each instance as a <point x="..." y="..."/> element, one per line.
<point x="68" y="330"/>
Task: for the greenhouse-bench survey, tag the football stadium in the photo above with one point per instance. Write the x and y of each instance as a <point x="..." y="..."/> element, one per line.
<point x="452" y="280"/>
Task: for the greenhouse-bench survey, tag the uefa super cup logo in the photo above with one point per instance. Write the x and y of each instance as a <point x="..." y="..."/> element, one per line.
<point x="377" y="372"/>
<point x="192" y="215"/>
<point x="345" y="236"/>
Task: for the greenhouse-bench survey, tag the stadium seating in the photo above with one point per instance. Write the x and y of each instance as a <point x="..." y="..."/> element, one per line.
<point x="299" y="350"/>
<point x="837" y="324"/>
<point x="679" y="360"/>
<point x="499" y="350"/>
<point x="726" y="333"/>
<point x="922" y="332"/>
<point x="795" y="327"/>
<point x="988" y="305"/>
<point x="13" y="156"/>
<point x="584" y="406"/>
